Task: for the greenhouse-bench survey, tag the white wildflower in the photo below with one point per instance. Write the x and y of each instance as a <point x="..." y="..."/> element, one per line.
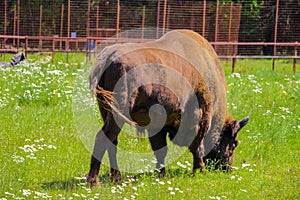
<point x="257" y="90"/>
<point x="51" y="147"/>
<point x="76" y="195"/>
<point x="236" y="75"/>
<point x="160" y="182"/>
<point x="113" y="190"/>
<point x="154" y="161"/>
<point x="181" y="165"/>
<point x="26" y="192"/>
<point x="10" y="194"/>
<point x="31" y="156"/>
<point x="245" y="165"/>
<point x="18" y="159"/>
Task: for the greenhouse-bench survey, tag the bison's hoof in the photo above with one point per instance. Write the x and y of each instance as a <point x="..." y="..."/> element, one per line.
<point x="93" y="180"/>
<point x="161" y="172"/>
<point x="115" y="176"/>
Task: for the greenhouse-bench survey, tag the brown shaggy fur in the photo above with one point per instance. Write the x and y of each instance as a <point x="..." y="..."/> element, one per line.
<point x="176" y="68"/>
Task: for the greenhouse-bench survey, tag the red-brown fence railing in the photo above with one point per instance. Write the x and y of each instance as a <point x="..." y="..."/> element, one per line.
<point x="68" y="45"/>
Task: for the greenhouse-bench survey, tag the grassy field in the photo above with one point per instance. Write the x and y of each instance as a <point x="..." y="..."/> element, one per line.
<point x="42" y="154"/>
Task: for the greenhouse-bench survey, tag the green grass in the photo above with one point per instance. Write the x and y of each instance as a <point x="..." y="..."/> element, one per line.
<point x="42" y="154"/>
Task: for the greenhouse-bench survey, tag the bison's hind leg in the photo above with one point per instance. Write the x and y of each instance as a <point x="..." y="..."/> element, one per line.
<point x="115" y="174"/>
<point x="106" y="139"/>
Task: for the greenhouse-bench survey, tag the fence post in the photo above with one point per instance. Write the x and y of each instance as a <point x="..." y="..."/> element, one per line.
<point x="233" y="63"/>
<point x="143" y="20"/>
<point x="40" y="28"/>
<point x="90" y="48"/>
<point x="168" y="17"/>
<point x="273" y="63"/>
<point x="229" y="28"/>
<point x="53" y="48"/>
<point x="157" y="18"/>
<point x="204" y="18"/>
<point x="18" y="24"/>
<point x="26" y="46"/>
<point x="295" y="56"/>
<point x="61" y="24"/>
<point x="118" y="18"/>
<point x="217" y="26"/>
<point x="5" y="16"/>
<point x="164" y="17"/>
<point x="15" y="24"/>
<point x="97" y="21"/>
<point x="88" y="19"/>
<point x="275" y="32"/>
<point x="67" y="50"/>
<point x="87" y="49"/>
<point x="192" y="18"/>
<point x="69" y="18"/>
<point x="235" y="47"/>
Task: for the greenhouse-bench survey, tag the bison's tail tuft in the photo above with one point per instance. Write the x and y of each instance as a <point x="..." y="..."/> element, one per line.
<point x="104" y="97"/>
<point x="107" y="101"/>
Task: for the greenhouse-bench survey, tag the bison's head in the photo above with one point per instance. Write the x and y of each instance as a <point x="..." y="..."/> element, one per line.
<point x="222" y="154"/>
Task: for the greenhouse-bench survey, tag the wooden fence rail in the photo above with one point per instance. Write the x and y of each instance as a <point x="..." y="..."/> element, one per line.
<point x="86" y="42"/>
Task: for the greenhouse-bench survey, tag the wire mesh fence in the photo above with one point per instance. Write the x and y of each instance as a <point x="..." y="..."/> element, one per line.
<point x="247" y="28"/>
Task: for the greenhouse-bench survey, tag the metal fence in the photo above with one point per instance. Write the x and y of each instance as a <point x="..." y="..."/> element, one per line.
<point x="269" y="29"/>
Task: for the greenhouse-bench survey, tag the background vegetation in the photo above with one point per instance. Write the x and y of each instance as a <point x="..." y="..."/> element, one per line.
<point x="257" y="17"/>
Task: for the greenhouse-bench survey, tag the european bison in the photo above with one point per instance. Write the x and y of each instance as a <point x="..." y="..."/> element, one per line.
<point x="172" y="86"/>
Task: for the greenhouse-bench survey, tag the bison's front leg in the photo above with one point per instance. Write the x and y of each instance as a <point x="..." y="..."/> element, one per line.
<point x="159" y="146"/>
<point x="197" y="149"/>
<point x="197" y="146"/>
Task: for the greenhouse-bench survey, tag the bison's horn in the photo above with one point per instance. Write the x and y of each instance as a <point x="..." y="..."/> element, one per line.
<point x="244" y="121"/>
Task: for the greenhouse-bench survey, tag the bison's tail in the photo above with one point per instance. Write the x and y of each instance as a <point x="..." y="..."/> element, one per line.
<point x="106" y="101"/>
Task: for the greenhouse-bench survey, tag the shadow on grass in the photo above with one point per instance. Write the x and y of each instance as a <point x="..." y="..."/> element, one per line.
<point x="70" y="184"/>
<point x="75" y="183"/>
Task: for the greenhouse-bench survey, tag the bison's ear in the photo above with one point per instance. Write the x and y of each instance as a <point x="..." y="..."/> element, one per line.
<point x="233" y="127"/>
